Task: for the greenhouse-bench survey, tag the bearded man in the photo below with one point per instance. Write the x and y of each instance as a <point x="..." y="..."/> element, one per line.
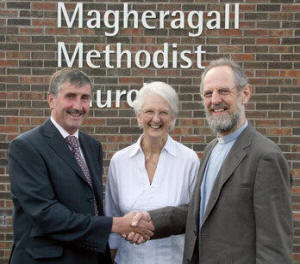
<point x="240" y="211"/>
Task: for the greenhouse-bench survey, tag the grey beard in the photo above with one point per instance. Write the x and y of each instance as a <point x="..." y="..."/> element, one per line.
<point x="227" y="124"/>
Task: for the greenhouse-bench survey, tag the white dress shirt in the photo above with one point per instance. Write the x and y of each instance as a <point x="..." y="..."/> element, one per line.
<point x="128" y="188"/>
<point x="61" y="130"/>
<point x="65" y="134"/>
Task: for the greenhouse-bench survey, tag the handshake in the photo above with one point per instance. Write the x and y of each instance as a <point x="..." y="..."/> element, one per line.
<point x="135" y="227"/>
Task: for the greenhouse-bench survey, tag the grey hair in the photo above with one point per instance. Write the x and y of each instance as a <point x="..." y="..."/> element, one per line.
<point x="161" y="89"/>
<point x="240" y="78"/>
<point x="64" y="75"/>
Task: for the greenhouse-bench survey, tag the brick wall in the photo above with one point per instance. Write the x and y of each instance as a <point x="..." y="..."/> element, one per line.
<point x="267" y="45"/>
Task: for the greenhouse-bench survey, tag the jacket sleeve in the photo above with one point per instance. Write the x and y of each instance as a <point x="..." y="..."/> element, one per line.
<point x="273" y="212"/>
<point x="32" y="191"/>
<point x="169" y="220"/>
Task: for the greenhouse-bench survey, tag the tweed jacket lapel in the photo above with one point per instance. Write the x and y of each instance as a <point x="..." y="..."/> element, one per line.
<point x="235" y="156"/>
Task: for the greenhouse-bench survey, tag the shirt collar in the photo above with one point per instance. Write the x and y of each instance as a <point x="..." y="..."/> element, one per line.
<point x="62" y="131"/>
<point x="170" y="146"/>
<point x="234" y="135"/>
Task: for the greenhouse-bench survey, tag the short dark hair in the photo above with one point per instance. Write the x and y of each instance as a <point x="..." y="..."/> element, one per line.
<point x="73" y="76"/>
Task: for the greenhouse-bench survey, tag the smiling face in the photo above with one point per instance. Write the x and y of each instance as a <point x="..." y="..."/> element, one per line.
<point x="70" y="106"/>
<point x="155" y="117"/>
<point x="224" y="105"/>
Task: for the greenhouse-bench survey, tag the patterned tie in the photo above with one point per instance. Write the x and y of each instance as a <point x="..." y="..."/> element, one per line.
<point x="73" y="142"/>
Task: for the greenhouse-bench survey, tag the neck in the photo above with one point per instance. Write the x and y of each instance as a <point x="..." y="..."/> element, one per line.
<point x="152" y="146"/>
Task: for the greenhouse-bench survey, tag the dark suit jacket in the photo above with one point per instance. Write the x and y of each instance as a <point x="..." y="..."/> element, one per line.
<point x="248" y="219"/>
<point x="54" y="218"/>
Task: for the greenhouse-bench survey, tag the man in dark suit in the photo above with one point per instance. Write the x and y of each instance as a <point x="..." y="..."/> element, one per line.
<point x="55" y="173"/>
<point x="240" y="211"/>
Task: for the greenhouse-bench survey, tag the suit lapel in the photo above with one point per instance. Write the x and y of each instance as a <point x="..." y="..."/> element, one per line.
<point x="95" y="172"/>
<point x="58" y="144"/>
<point x="236" y="155"/>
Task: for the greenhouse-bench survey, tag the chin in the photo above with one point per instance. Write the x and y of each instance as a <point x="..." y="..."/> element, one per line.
<point x="158" y="134"/>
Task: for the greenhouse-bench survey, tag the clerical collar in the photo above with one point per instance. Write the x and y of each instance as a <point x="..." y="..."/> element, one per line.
<point x="232" y="136"/>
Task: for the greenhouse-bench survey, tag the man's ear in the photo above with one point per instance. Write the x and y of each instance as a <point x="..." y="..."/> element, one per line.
<point x="50" y="98"/>
<point x="246" y="94"/>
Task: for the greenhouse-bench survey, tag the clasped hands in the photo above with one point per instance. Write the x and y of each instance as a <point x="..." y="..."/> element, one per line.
<point x="135" y="227"/>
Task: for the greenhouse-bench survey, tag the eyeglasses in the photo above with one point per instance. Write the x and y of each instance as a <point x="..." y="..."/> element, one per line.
<point x="151" y="113"/>
<point x="221" y="92"/>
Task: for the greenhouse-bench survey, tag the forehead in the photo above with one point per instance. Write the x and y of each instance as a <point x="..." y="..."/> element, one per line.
<point x="219" y="77"/>
<point x="155" y="101"/>
<point x="68" y="87"/>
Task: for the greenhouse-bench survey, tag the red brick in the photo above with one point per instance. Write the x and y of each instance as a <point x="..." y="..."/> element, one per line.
<point x="242" y="57"/>
<point x="281" y="33"/>
<point x="31" y="31"/>
<point x="8" y="129"/>
<point x="290" y="7"/>
<point x="9" y="79"/>
<point x="18" y="39"/>
<point x="32" y="96"/>
<point x="18" y="55"/>
<point x="37" y="120"/>
<point x="33" y="79"/>
<point x="247" y="24"/>
<point x="8" y="13"/>
<point x="256" y="32"/>
<point x="46" y="22"/>
<point x="131" y="31"/>
<point x="120" y="138"/>
<point x="231" y="49"/>
<point x="270" y="41"/>
<point x="143" y="72"/>
<point x="181" y="130"/>
<point x="12" y="95"/>
<point x="82" y="31"/>
<point x="279" y="131"/>
<point x="267" y="73"/>
<point x="95" y="121"/>
<point x="57" y="31"/>
<point x="281" y="49"/>
<point x="168" y="72"/>
<point x="192" y="122"/>
<point x="107" y="147"/>
<point x="267" y="123"/>
<point x="141" y="39"/>
<point x="43" y="6"/>
<point x="290" y="73"/>
<point x="17" y="120"/>
<point x="192" y="139"/>
<point x="8" y="63"/>
<point x="131" y="80"/>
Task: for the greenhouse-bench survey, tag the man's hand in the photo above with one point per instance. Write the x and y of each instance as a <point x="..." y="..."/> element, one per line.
<point x="139" y="220"/>
<point x="137" y="224"/>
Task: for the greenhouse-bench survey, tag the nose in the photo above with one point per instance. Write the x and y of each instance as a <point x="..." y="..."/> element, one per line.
<point x="156" y="117"/>
<point x="216" y="98"/>
<point x="77" y="104"/>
